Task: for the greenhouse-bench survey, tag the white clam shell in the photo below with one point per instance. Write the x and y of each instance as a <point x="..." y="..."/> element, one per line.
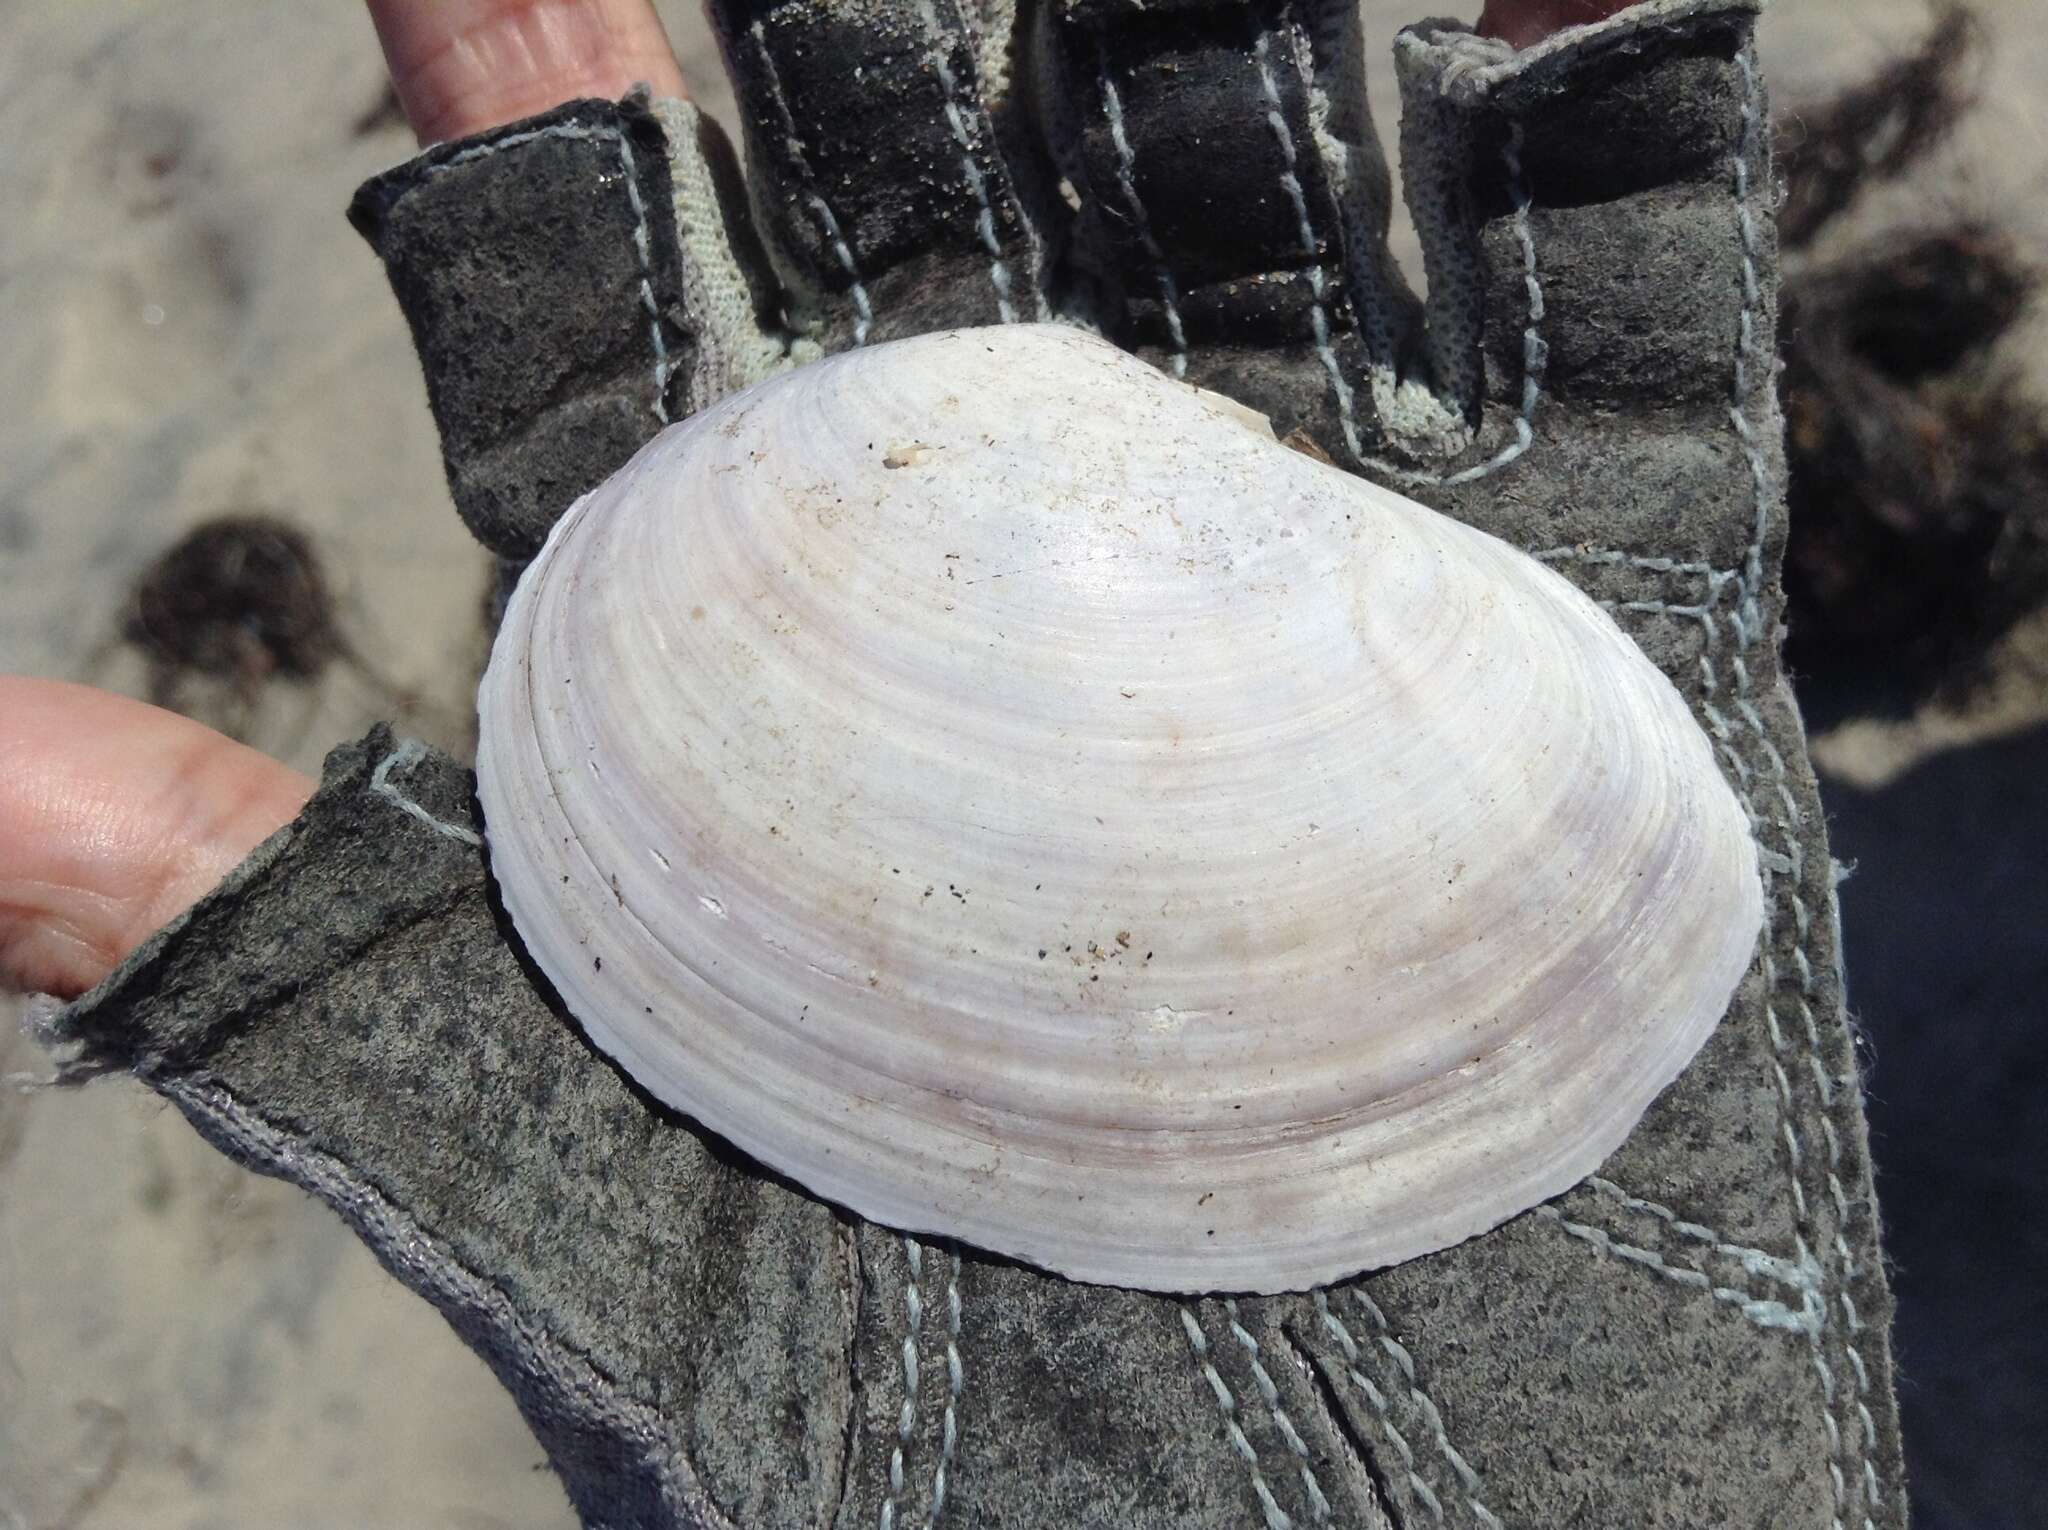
<point x="993" y="786"/>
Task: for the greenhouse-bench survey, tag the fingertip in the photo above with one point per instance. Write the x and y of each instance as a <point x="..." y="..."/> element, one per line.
<point x="464" y="66"/>
<point x="115" y="816"/>
<point x="1521" y="23"/>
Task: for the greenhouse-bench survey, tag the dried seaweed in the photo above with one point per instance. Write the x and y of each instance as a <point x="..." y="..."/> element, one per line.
<point x="239" y="598"/>
<point x="237" y="603"/>
<point x="1877" y="129"/>
<point x="1918" y="459"/>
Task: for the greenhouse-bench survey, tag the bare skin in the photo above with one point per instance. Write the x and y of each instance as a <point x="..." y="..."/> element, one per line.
<point x="116" y="816"/>
<point x="1522" y="22"/>
<point x="461" y="66"/>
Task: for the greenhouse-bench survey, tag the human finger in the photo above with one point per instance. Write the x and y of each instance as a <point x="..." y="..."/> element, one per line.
<point x="461" y="66"/>
<point x="1522" y="22"/>
<point x="114" y="818"/>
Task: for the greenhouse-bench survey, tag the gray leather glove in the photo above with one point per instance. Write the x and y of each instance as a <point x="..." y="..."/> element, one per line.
<point x="1695" y="1337"/>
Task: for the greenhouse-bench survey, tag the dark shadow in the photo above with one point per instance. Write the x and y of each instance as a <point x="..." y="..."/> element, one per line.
<point x="1946" y="929"/>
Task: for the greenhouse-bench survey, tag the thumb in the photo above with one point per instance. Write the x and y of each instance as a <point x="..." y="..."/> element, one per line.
<point x="115" y="817"/>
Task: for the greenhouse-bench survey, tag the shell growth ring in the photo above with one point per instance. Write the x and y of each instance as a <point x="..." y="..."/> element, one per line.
<point x="997" y="787"/>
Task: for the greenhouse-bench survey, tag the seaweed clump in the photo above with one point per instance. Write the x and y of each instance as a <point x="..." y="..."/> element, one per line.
<point x="238" y="603"/>
<point x="1918" y="459"/>
<point x="240" y="598"/>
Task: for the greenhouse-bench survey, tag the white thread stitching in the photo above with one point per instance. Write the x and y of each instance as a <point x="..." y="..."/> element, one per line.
<point x="1607" y="555"/>
<point x="1718" y="727"/>
<point x="643" y="243"/>
<point x="1813" y="1307"/>
<point x="863" y="311"/>
<point x="956" y="1384"/>
<point x="1748" y="624"/>
<point x="1803" y="1277"/>
<point x="1535" y="352"/>
<point x="1535" y="349"/>
<point x="985" y="225"/>
<point x="1290" y="182"/>
<point x="573" y="130"/>
<point x="1762" y="1311"/>
<point x="1376" y="1399"/>
<point x="906" y="1417"/>
<point x="1126" y="175"/>
<point x="1404" y="1363"/>
<point x="1276" y="1517"/>
<point x="1271" y="1394"/>
<point x="410" y="752"/>
<point x="1746" y="620"/>
<point x="642" y="240"/>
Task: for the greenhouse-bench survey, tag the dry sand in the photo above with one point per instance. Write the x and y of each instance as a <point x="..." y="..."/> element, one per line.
<point x="190" y="328"/>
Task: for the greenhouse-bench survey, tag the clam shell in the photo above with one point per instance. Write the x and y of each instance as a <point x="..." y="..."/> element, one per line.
<point x="993" y="786"/>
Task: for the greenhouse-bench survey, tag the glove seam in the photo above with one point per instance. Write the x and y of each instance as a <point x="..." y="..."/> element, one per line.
<point x="1535" y="351"/>
<point x="1290" y="183"/>
<point x="985" y="224"/>
<point x="1748" y="629"/>
<point x="406" y="753"/>
<point x="1483" y="68"/>
<point x="470" y="1302"/>
<point x="1814" y="1319"/>
<point x="1198" y="1342"/>
<point x="1418" y="1402"/>
<point x="1764" y="1312"/>
<point x="906" y="1414"/>
<point x="642" y="239"/>
<point x="814" y="201"/>
<point x="956" y="1388"/>
<point x="1271" y="1395"/>
<point x="1126" y="174"/>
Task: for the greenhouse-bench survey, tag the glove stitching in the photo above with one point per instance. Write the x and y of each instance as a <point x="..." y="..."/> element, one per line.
<point x="1719" y="730"/>
<point x="1277" y="1518"/>
<point x="643" y="248"/>
<point x="828" y="224"/>
<point x="1418" y="1401"/>
<point x="1353" y="1456"/>
<point x="1745" y="623"/>
<point x="422" y="1263"/>
<point x="641" y="244"/>
<point x="1271" y="1394"/>
<point x="1535" y="350"/>
<point x="956" y="1386"/>
<point x="1404" y="1365"/>
<point x="852" y="1295"/>
<point x="1757" y="1261"/>
<point x="1481" y="65"/>
<point x="1764" y="1312"/>
<point x="985" y="223"/>
<point x="408" y="753"/>
<point x="906" y="1417"/>
<point x="1126" y="175"/>
<point x="1290" y="182"/>
<point x="1376" y="1399"/>
<point x="1748" y="624"/>
<point x="1599" y="555"/>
